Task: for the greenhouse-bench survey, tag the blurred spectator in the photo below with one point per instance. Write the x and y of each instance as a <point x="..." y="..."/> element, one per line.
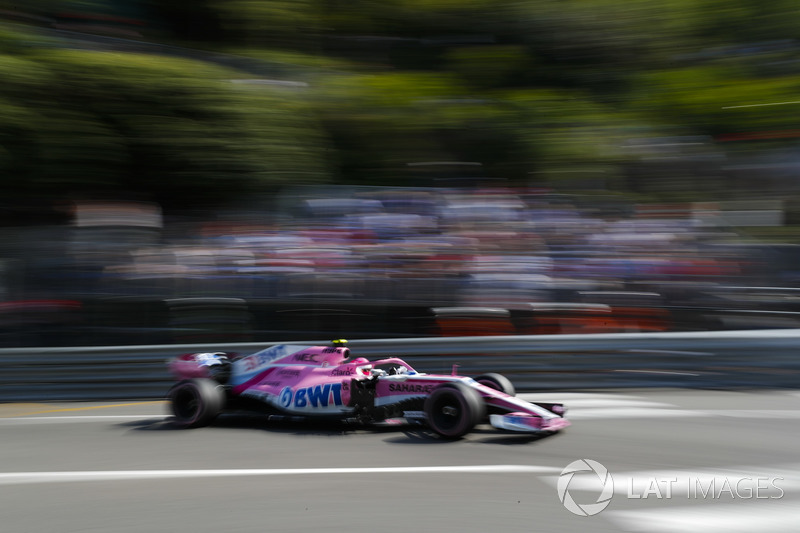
<point x="437" y="248"/>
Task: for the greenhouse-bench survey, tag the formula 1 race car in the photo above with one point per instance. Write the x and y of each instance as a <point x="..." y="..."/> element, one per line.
<point x="312" y="382"/>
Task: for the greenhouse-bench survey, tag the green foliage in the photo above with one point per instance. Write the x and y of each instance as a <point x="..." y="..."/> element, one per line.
<point x="745" y="21"/>
<point x="521" y="87"/>
<point x="279" y="24"/>
<point x="486" y="67"/>
<point x="720" y="100"/>
<point x="174" y="129"/>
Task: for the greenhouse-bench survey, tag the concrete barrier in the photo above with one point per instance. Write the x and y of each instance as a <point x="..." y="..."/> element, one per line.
<point x="729" y="359"/>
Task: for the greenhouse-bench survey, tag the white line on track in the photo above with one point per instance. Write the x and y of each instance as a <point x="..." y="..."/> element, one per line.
<point x="631" y="412"/>
<point x="612" y="413"/>
<point x="15" y="478"/>
<point x="565" y="397"/>
<point x="775" y="517"/>
<point x="753" y="413"/>
<point x="598" y="403"/>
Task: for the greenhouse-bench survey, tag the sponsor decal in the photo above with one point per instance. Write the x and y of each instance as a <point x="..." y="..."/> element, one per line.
<point x="341" y="372"/>
<point x="263" y="357"/>
<point x="285" y="397"/>
<point x="246" y="369"/>
<point x="415" y="388"/>
<point x="326" y="395"/>
<point x="289" y="372"/>
<point x="306" y="357"/>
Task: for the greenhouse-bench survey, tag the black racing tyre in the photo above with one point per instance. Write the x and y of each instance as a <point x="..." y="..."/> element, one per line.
<point x="196" y="402"/>
<point x="497" y="382"/>
<point x="453" y="409"/>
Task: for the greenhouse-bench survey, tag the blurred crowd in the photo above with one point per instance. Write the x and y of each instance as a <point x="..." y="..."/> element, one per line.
<point x="473" y="246"/>
<point x="498" y="250"/>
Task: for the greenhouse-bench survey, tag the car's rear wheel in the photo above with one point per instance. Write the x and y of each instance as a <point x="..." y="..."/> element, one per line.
<point x="196" y="402"/>
<point x="453" y="409"/>
<point x="497" y="382"/>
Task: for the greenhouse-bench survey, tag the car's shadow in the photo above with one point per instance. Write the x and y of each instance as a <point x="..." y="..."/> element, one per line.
<point x="483" y="434"/>
<point x="400" y="433"/>
<point x="251" y="422"/>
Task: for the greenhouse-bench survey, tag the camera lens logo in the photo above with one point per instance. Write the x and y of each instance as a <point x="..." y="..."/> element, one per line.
<point x="604" y="483"/>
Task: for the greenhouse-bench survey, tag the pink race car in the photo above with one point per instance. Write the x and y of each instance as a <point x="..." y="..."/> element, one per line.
<point x="305" y="382"/>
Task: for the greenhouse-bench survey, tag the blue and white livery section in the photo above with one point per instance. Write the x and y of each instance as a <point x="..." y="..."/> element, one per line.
<point x="316" y="398"/>
<point x="251" y="366"/>
<point x="323" y="399"/>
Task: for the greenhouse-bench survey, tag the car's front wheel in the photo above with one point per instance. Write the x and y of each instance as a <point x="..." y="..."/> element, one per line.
<point x="196" y="402"/>
<point x="453" y="409"/>
<point x="497" y="382"/>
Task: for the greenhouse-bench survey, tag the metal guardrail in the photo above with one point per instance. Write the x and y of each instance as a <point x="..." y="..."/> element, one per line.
<point x="730" y="359"/>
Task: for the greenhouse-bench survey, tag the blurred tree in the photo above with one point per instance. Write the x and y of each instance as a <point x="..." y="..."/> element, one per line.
<point x="192" y="20"/>
<point x="718" y="100"/>
<point x="292" y="24"/>
<point x="745" y="22"/>
<point x="177" y="130"/>
<point x="535" y="86"/>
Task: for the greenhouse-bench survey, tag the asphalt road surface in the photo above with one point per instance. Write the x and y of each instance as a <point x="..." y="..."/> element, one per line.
<point x="654" y="461"/>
